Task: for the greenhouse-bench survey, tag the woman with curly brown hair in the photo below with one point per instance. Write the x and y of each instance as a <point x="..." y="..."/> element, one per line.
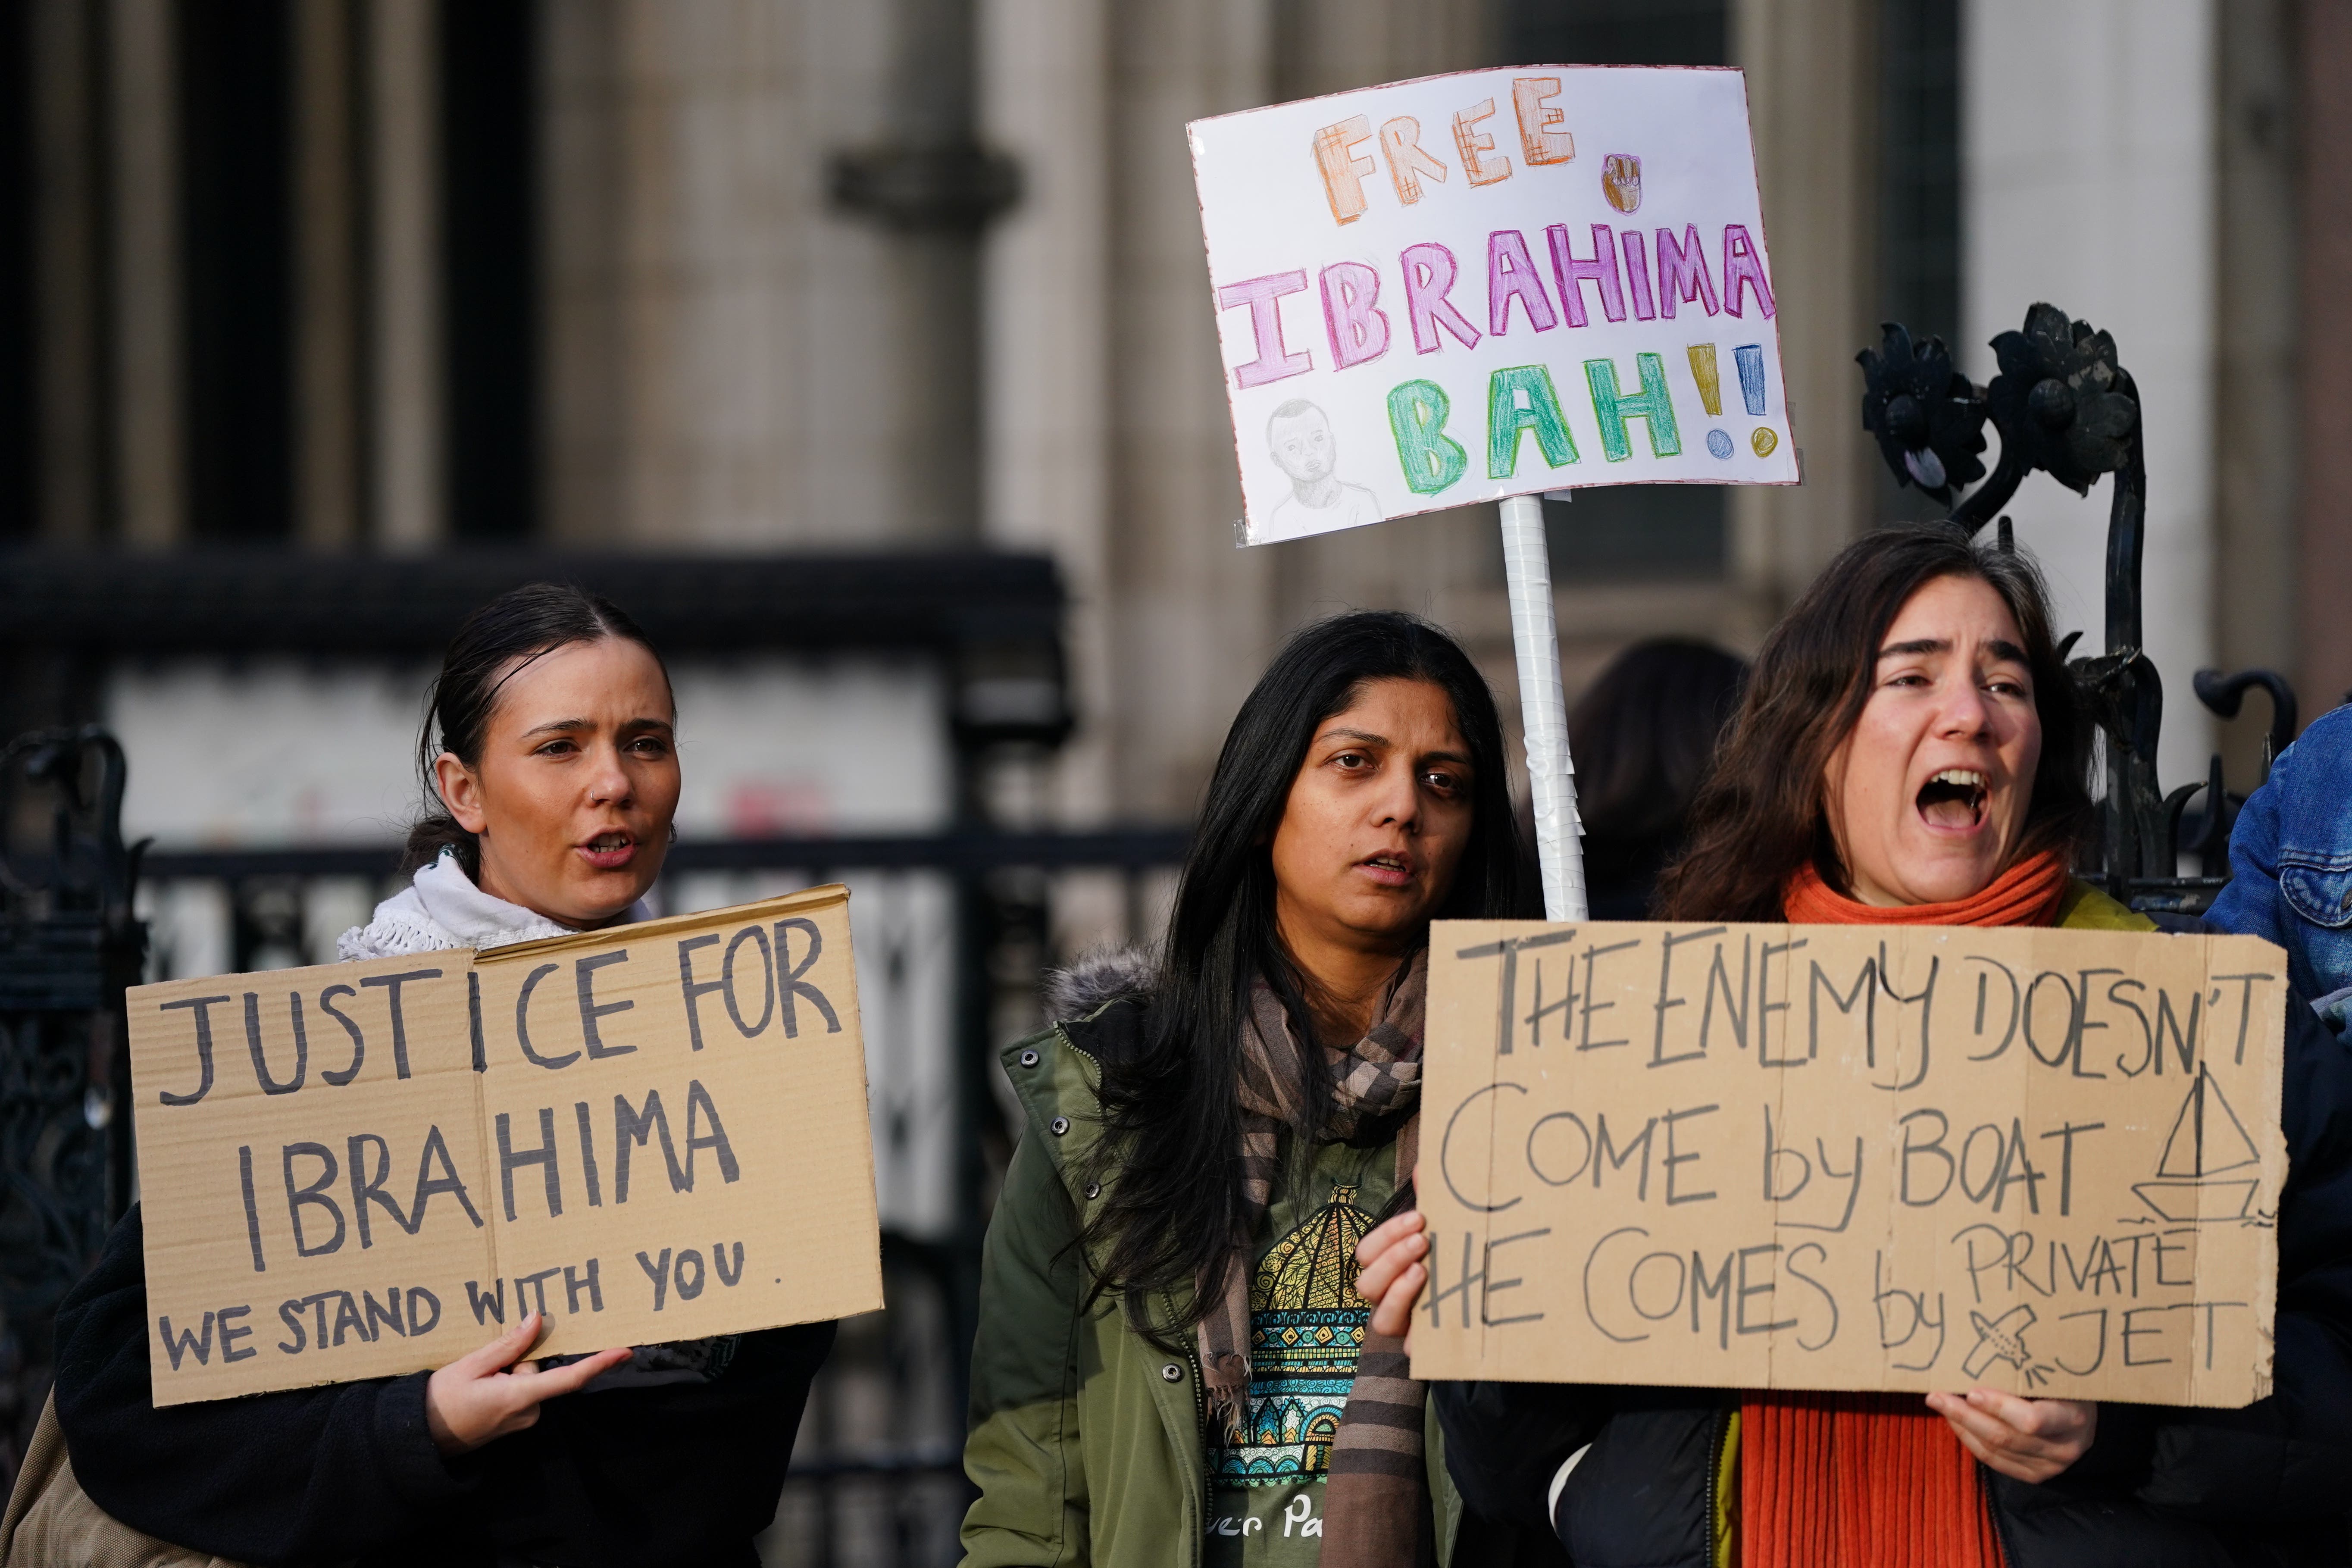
<point x="1911" y="751"/>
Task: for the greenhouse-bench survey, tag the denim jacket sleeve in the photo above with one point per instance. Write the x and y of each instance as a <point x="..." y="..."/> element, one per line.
<point x="2290" y="864"/>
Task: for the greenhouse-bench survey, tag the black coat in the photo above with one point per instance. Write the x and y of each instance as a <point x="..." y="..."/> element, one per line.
<point x="2161" y="1488"/>
<point x="685" y="1473"/>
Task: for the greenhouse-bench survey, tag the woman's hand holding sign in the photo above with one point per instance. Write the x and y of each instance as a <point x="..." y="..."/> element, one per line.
<point x="1393" y="1274"/>
<point x="490" y="1393"/>
<point x="2031" y="1439"/>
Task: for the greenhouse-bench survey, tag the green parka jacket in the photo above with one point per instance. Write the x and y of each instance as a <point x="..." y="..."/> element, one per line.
<point x="1086" y="1440"/>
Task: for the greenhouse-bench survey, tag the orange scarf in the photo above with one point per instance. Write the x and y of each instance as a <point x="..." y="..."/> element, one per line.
<point x="2027" y="894"/>
<point x="1875" y="1480"/>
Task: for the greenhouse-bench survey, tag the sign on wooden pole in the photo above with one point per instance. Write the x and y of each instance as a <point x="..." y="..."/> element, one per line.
<point x="1484" y="286"/>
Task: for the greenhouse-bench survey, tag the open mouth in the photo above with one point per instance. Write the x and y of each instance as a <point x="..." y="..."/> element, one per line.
<point x="609" y="851"/>
<point x="1389" y="869"/>
<point x="1954" y="798"/>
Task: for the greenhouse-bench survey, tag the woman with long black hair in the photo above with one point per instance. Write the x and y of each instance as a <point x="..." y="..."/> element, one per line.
<point x="549" y="752"/>
<point x="1172" y="1364"/>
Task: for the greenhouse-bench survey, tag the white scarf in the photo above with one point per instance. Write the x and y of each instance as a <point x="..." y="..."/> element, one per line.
<point x="442" y="909"/>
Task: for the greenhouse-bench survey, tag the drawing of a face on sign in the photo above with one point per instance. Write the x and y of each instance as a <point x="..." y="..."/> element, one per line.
<point x="1299" y="436"/>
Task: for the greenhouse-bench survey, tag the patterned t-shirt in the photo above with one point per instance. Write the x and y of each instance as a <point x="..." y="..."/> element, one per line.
<point x="1306" y="1324"/>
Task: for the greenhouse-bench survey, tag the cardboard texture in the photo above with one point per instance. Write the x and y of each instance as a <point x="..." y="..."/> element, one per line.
<point x="1841" y="1157"/>
<point x="651" y="1133"/>
<point x="1489" y="284"/>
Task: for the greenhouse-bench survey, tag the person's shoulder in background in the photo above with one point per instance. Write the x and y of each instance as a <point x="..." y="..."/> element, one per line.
<point x="2291" y="865"/>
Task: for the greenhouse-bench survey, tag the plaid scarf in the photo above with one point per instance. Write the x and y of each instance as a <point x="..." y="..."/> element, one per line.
<point x="1376" y="1506"/>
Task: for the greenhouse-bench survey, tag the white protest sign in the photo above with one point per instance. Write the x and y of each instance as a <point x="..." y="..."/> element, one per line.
<point x="1489" y="284"/>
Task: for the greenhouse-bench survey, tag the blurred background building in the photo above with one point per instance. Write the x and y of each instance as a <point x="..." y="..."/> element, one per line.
<point x="325" y="287"/>
<point x="773" y="275"/>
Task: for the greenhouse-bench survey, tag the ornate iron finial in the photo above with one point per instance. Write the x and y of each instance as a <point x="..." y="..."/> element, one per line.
<point x="2059" y="400"/>
<point x="2061" y="403"/>
<point x="1928" y="418"/>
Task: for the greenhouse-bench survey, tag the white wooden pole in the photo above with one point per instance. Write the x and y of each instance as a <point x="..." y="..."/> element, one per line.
<point x="1543" y="709"/>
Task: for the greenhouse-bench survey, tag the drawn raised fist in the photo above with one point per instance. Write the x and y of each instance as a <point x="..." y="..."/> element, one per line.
<point x="1621" y="181"/>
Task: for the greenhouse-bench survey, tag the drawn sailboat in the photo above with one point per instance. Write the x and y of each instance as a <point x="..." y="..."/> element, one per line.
<point x="2208" y="1141"/>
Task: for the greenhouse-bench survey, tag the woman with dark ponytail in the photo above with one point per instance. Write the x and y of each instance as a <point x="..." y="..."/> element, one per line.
<point x="550" y="774"/>
<point x="550" y="758"/>
<point x="1172" y="1366"/>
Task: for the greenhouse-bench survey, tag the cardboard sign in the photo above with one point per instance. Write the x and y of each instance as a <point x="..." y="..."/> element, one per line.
<point x="651" y="1133"/>
<point x="1490" y="284"/>
<point x="1841" y="1157"/>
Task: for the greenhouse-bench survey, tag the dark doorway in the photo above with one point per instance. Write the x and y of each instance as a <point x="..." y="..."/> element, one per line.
<point x="236" y="240"/>
<point x="489" y="149"/>
<point x="18" y="441"/>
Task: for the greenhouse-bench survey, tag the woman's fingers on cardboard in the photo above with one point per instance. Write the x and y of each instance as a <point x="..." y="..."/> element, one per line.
<point x="1394" y="1314"/>
<point x="2019" y="1413"/>
<point x="1386" y="1234"/>
<point x="1387" y="1266"/>
<point x="2031" y="1439"/>
<point x="502" y="1352"/>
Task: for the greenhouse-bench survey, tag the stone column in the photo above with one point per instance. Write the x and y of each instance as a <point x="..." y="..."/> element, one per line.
<point x="1045" y="101"/>
<point x="2087" y="180"/>
<point x="1813" y="97"/>
<point x="68" y="267"/>
<point x="147" y="454"/>
<point x="1446" y="565"/>
<point x="2258" y="342"/>
<point x="730" y="358"/>
<point x="1194" y="616"/>
<point x="583" y="385"/>
<point x="2324" y="549"/>
<point x="326" y="190"/>
<point x="407" y="509"/>
<point x="934" y="254"/>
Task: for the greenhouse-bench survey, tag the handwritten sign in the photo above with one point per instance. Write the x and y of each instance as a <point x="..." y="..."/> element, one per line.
<point x="1490" y="284"/>
<point x="1839" y="1157"/>
<point x="648" y="1134"/>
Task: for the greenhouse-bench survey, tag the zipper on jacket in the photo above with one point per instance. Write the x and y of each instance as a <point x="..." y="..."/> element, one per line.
<point x="1200" y="1418"/>
<point x="2000" y="1525"/>
<point x="1200" y="1397"/>
<point x="1070" y="1045"/>
<point x="1718" y="1432"/>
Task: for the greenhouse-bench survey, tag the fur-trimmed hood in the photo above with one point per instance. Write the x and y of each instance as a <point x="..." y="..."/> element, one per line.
<point x="1113" y="974"/>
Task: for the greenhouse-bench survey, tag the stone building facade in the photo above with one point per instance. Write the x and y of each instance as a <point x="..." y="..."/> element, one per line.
<point x="781" y="275"/>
